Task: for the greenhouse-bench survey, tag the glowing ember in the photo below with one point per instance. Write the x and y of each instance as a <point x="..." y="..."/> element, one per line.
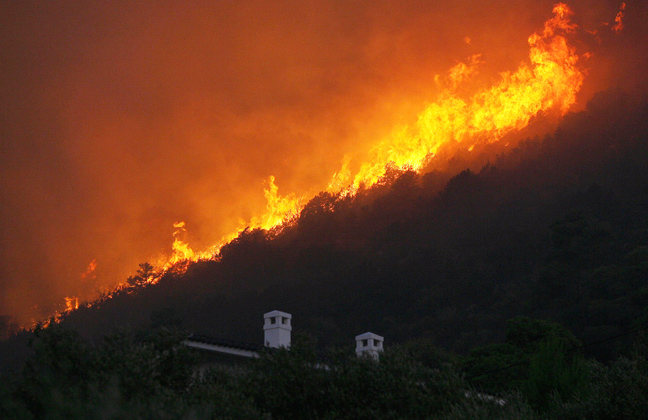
<point x="618" y="26"/>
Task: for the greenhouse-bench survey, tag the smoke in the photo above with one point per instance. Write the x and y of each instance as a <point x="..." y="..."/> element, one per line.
<point x="120" y="119"/>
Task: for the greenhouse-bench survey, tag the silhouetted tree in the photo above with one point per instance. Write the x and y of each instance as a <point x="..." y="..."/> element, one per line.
<point x="145" y="273"/>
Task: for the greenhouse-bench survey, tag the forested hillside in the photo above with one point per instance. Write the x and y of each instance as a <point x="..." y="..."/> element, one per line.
<point x="537" y="259"/>
<point x="556" y="228"/>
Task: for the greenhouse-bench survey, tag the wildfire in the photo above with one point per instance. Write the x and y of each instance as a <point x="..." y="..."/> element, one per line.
<point x="278" y="208"/>
<point x="71" y="303"/>
<point x="550" y="84"/>
<point x="618" y="25"/>
<point x="547" y="84"/>
<point x="181" y="250"/>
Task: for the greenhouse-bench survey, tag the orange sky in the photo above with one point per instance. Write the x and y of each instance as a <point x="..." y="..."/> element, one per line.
<point x="120" y="118"/>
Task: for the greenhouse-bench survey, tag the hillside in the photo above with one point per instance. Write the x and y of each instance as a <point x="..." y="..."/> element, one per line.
<point x="554" y="229"/>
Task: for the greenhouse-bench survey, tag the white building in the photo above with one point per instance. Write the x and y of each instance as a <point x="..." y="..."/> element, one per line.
<point x="277" y="329"/>
<point x="369" y="344"/>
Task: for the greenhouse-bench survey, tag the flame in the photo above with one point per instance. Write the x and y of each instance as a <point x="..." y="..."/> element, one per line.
<point x="618" y="26"/>
<point x="71" y="303"/>
<point x="278" y="208"/>
<point x="181" y="249"/>
<point x="548" y="84"/>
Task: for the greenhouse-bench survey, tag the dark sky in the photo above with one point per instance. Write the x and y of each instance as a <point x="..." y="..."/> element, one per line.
<point x="120" y="118"/>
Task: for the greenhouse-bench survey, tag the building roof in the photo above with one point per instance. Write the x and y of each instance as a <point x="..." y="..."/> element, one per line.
<point x="218" y="345"/>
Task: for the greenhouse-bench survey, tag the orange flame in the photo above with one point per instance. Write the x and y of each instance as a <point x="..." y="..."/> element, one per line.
<point x="181" y="249"/>
<point x="549" y="84"/>
<point x="618" y="26"/>
<point x="278" y="208"/>
<point x="71" y="303"/>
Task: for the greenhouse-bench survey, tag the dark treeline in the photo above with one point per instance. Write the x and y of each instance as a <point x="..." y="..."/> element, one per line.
<point x="555" y="229"/>
<point x="152" y="375"/>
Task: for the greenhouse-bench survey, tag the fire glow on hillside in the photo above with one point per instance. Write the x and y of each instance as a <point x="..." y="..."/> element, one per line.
<point x="144" y="132"/>
<point x="548" y="85"/>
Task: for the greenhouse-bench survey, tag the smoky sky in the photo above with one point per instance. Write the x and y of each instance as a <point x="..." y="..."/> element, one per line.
<point x="120" y="118"/>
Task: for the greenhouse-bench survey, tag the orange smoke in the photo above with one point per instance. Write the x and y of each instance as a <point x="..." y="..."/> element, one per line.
<point x="89" y="274"/>
<point x="548" y="84"/>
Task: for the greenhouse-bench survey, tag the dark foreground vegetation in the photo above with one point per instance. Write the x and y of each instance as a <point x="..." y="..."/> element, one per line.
<point x="555" y="229"/>
<point x="152" y="375"/>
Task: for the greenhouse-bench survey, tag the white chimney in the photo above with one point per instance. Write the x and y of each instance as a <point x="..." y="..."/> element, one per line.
<point x="369" y="344"/>
<point x="277" y="329"/>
